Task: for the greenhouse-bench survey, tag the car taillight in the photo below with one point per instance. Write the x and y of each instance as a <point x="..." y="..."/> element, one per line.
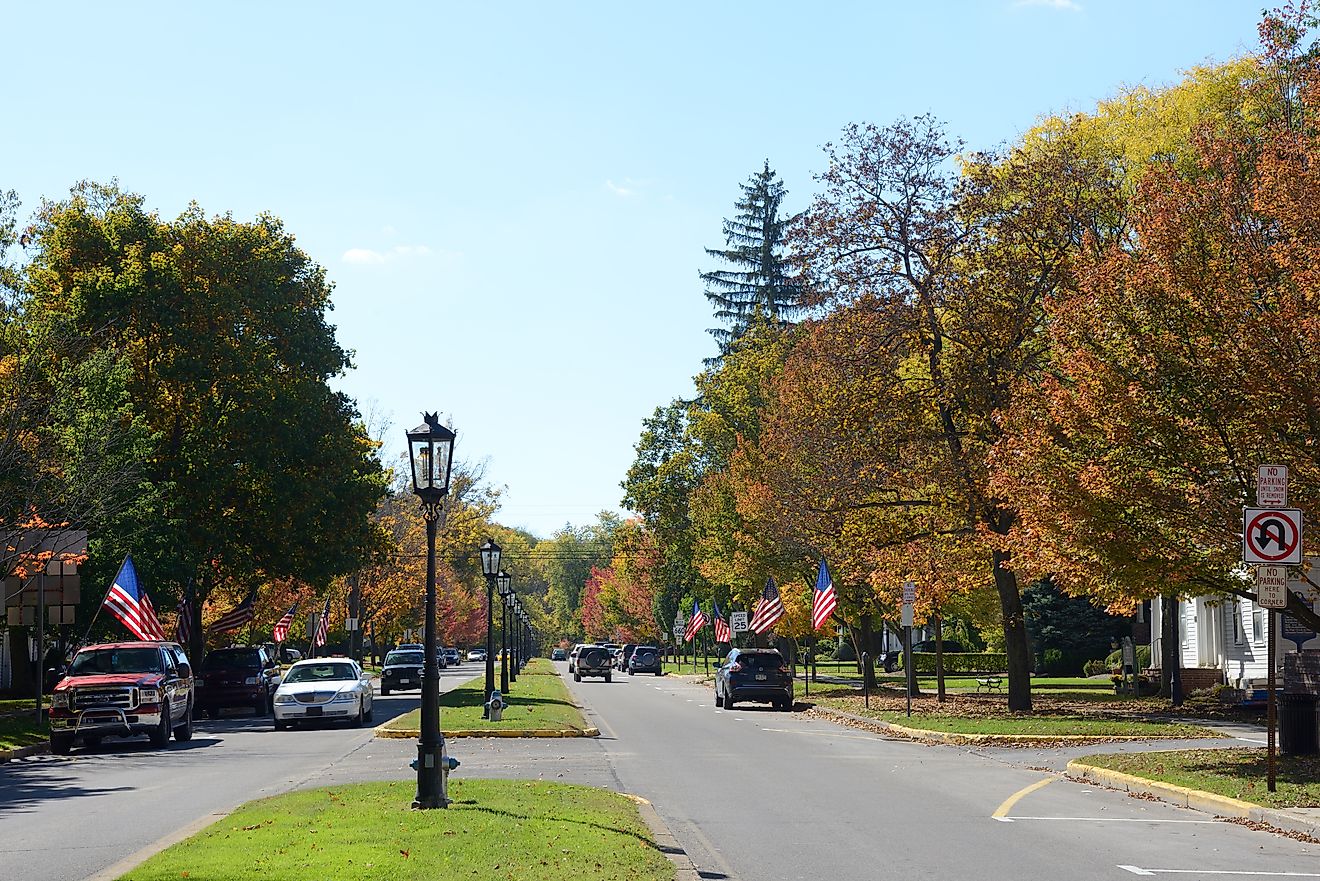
<point x="783" y="668"/>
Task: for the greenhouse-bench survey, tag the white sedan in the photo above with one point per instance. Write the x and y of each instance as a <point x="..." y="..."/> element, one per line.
<point x="323" y="688"/>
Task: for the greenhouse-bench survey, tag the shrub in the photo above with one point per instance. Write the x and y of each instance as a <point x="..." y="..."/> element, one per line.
<point x="1095" y="668"/>
<point x="1115" y="659"/>
<point x="960" y="662"/>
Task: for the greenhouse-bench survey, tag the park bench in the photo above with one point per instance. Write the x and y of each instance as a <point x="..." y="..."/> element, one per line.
<point x="989" y="684"/>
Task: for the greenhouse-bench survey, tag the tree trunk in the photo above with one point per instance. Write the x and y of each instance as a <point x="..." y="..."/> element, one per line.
<point x="939" y="657"/>
<point x="1168" y="643"/>
<point x="1015" y="634"/>
<point x="868" y="669"/>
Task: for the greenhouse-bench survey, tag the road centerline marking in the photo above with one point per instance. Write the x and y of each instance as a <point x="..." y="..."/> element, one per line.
<point x="1138" y="870"/>
<point x="1001" y="812"/>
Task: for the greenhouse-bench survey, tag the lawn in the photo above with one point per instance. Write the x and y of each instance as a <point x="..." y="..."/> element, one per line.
<point x="9" y="706"/>
<point x="1054" y="714"/>
<point x="538" y="700"/>
<point x="21" y="730"/>
<point x="525" y="830"/>
<point x="1236" y="773"/>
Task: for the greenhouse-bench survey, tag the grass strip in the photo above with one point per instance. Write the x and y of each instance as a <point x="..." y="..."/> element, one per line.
<point x="537" y="700"/>
<point x="1236" y="773"/>
<point x="496" y="829"/>
<point x="20" y="731"/>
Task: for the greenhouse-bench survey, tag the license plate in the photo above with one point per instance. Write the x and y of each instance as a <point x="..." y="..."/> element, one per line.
<point x="760" y="677"/>
<point x="313" y="711"/>
<point x="404" y="680"/>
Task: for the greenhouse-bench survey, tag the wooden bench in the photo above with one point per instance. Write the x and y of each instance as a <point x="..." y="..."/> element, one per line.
<point x="989" y="684"/>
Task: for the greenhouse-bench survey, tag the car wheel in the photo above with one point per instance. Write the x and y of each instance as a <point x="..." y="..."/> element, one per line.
<point x="358" y="720"/>
<point x="607" y="678"/>
<point x="719" y="699"/>
<point x="370" y="712"/>
<point x="61" y="744"/>
<point x="183" y="732"/>
<point x="728" y="702"/>
<point x="630" y="672"/>
<point x="577" y="677"/>
<point x="280" y="726"/>
<point x="384" y="691"/>
<point x="259" y="708"/>
<point x="785" y="706"/>
<point x="160" y="735"/>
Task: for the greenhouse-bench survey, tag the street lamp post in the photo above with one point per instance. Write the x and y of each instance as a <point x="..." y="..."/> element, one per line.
<point x="514" y="608"/>
<point x="490" y="567"/>
<point x="430" y="449"/>
<point x="505" y="592"/>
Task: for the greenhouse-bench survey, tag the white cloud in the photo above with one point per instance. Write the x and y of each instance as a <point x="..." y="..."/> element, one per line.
<point x="367" y="256"/>
<point x="629" y="187"/>
<point x="1069" y="5"/>
<point x="621" y="191"/>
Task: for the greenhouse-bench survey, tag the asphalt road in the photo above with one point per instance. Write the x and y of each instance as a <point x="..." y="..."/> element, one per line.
<point x="750" y="794"/>
<point x="64" y="818"/>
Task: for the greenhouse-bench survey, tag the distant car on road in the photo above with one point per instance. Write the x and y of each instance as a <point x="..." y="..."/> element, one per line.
<point x="622" y="655"/>
<point x="645" y="659"/>
<point x="238" y="676"/>
<point x="592" y="660"/>
<point x="754" y="675"/>
<point x="402" y="669"/>
<point x="323" y="689"/>
<point x="558" y="655"/>
<point x="477" y="655"/>
<point x="452" y="657"/>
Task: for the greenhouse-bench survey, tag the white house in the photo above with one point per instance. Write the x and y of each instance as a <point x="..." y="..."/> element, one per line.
<point x="1223" y="640"/>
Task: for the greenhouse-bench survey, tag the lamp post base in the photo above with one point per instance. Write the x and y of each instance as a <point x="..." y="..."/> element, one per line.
<point x="431" y="775"/>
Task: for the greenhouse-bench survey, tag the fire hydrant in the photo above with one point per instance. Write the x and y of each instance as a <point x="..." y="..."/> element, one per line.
<point x="495" y="706"/>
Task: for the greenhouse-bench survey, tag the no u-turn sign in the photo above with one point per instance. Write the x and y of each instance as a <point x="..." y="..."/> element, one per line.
<point x="1272" y="535"/>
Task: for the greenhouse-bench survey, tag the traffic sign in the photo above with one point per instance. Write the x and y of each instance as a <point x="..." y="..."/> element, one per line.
<point x="1272" y="587"/>
<point x="909" y="597"/>
<point x="1272" y="535"/>
<point x="1272" y="486"/>
<point x="678" y="633"/>
<point x="738" y="622"/>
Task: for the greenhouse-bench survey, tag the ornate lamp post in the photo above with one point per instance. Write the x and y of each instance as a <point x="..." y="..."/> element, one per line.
<point x="430" y="452"/>
<point x="490" y="567"/>
<point x="515" y="628"/>
<point x="503" y="580"/>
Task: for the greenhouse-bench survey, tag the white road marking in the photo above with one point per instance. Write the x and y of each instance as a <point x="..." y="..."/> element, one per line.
<point x="1252" y="740"/>
<point x="1106" y="819"/>
<point x="1137" y="870"/>
<point x="824" y="734"/>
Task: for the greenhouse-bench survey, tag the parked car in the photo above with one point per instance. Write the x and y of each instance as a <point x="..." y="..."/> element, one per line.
<point x="412" y="646"/>
<point x="123" y="689"/>
<point x="322" y="689"/>
<point x="572" y="657"/>
<point x="452" y="657"/>
<point x="645" y="659"/>
<point x="622" y="655"/>
<point x="558" y="655"/>
<point x="238" y="676"/>
<point x="402" y="669"/>
<point x="592" y="660"/>
<point x="754" y="675"/>
<point x="441" y="659"/>
<point x="477" y="655"/>
<point x="289" y="655"/>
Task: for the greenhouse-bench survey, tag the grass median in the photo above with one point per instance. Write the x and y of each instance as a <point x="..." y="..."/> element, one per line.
<point x="20" y="731"/>
<point x="537" y="701"/>
<point x="515" y="829"/>
<point x="1236" y="773"/>
<point x="1053" y="715"/>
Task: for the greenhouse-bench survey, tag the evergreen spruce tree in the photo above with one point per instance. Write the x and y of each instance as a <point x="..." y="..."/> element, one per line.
<point x="760" y="277"/>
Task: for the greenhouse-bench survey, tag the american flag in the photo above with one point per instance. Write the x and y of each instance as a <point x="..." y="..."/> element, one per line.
<point x="183" y="625"/>
<point x="282" y="626"/>
<point x="323" y="625"/>
<point x="237" y="616"/>
<point x="823" y="600"/>
<point x="695" y="623"/>
<point x="128" y="602"/>
<point x="769" y="608"/>
<point x="722" y="632"/>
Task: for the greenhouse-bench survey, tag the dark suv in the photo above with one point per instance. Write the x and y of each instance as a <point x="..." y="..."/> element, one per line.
<point x="645" y="659"/>
<point x="239" y="676"/>
<point x="754" y="675"/>
<point x="402" y="669"/>
<point x="592" y="660"/>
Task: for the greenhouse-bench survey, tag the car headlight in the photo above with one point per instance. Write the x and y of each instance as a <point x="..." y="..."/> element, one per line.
<point x="285" y="699"/>
<point x="251" y="680"/>
<point x="149" y="695"/>
<point x="59" y="699"/>
<point x="344" y="697"/>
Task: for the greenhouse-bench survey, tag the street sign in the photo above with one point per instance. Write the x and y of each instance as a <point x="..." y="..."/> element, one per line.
<point x="1272" y="486"/>
<point x="1296" y="631"/>
<point x="909" y="597"/>
<point x="738" y="622"/>
<point x="350" y="624"/>
<point x="1272" y="535"/>
<point x="678" y="633"/>
<point x="1272" y="587"/>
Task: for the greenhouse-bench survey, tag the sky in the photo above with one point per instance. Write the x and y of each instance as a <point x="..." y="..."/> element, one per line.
<point x="513" y="199"/>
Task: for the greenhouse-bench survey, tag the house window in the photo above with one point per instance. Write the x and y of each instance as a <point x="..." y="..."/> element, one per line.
<point x="1258" y="626"/>
<point x="1237" y="622"/>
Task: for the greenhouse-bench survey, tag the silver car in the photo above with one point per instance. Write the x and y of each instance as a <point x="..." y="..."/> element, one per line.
<point x="323" y="689"/>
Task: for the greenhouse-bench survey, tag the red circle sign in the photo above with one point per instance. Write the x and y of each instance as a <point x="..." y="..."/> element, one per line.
<point x="1272" y="535"/>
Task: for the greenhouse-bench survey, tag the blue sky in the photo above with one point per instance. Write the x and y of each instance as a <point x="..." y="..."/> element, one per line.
<point x="512" y="199"/>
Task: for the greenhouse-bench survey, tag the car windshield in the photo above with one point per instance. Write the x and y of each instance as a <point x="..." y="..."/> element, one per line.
<point x="767" y="661"/>
<point x="235" y="660"/>
<point x="126" y="660"/>
<point x="412" y="659"/>
<point x="321" y="673"/>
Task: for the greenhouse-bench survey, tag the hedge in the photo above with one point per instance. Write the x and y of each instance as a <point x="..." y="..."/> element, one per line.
<point x="961" y="662"/>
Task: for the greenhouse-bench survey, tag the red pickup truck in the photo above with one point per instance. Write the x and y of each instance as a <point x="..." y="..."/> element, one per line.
<point x="122" y="689"/>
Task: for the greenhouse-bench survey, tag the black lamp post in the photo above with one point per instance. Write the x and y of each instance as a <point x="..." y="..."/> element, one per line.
<point x="430" y="452"/>
<point x="506" y="591"/>
<point x="490" y="567"/>
<point x="514" y="608"/>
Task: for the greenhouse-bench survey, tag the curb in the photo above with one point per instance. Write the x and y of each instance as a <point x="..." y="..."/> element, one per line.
<point x="409" y="733"/>
<point x="950" y="738"/>
<point x="665" y="841"/>
<point x="36" y="749"/>
<point x="1196" y="799"/>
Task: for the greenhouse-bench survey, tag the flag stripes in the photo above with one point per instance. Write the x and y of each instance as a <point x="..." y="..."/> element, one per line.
<point x="823" y="599"/>
<point x="722" y="632"/>
<point x="128" y="602"/>
<point x="695" y="623"/>
<point x="237" y="616"/>
<point x="769" y="608"/>
<point x="281" y="631"/>
<point x="323" y="626"/>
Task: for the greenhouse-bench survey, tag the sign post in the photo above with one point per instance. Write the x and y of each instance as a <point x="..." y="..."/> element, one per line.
<point x="1271" y="534"/>
<point x="909" y="598"/>
<point x="1270" y="615"/>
